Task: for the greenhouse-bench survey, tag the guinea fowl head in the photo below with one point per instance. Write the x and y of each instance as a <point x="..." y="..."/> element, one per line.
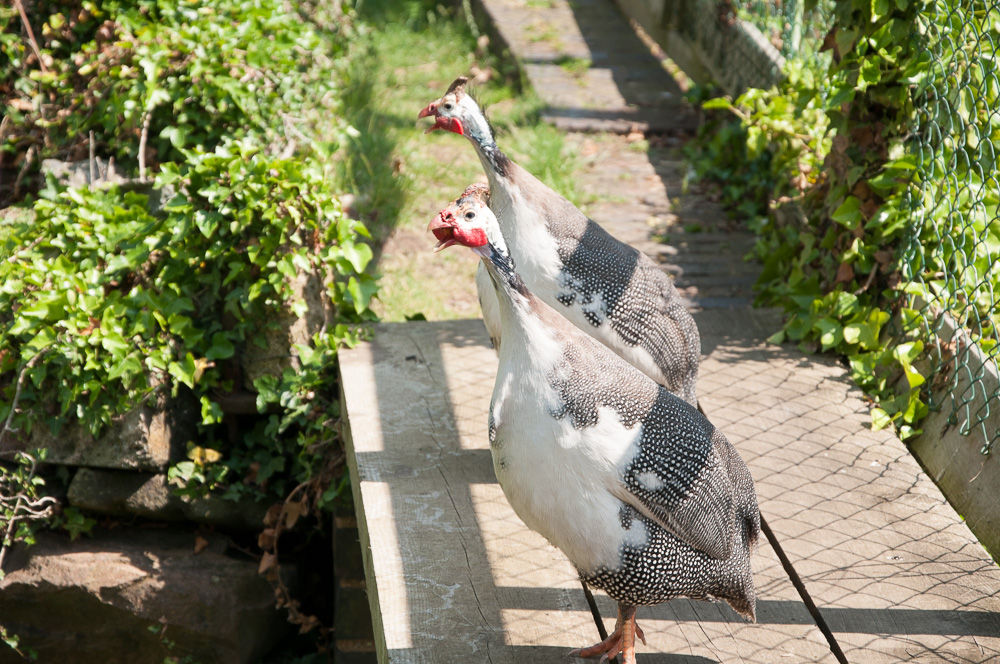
<point x="458" y="112"/>
<point x="467" y="221"/>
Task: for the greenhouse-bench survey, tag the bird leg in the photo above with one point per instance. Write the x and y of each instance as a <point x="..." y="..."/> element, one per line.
<point x="622" y="640"/>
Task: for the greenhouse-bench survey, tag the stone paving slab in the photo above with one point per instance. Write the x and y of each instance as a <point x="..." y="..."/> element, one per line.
<point x="895" y="572"/>
<point x="638" y="198"/>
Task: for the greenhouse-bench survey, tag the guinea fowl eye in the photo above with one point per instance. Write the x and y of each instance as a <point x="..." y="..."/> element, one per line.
<point x="447" y="106"/>
<point x="470" y="215"/>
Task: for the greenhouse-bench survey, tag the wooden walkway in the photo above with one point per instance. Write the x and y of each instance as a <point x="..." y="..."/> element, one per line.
<point x="454" y="576"/>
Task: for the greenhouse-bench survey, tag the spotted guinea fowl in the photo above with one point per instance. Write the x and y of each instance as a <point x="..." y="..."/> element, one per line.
<point x="652" y="502"/>
<point x="604" y="286"/>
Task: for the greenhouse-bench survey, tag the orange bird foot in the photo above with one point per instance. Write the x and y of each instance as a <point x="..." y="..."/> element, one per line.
<point x="622" y="640"/>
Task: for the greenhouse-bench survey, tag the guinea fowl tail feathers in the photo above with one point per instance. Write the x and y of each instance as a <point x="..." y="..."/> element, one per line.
<point x="746" y="603"/>
<point x="745" y="606"/>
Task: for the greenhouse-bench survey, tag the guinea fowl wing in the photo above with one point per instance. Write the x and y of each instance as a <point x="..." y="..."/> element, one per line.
<point x="689" y="495"/>
<point x="676" y="476"/>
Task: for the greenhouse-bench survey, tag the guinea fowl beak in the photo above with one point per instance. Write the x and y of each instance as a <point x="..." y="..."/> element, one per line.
<point x="443" y="227"/>
<point x="430" y="109"/>
<point x="448" y="124"/>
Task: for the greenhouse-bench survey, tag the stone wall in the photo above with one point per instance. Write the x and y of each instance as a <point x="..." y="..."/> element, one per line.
<point x="708" y="43"/>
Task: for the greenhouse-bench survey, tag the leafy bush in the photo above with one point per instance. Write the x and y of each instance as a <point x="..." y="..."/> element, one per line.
<point x="127" y="305"/>
<point x="124" y="295"/>
<point x="166" y="75"/>
<point x="118" y="296"/>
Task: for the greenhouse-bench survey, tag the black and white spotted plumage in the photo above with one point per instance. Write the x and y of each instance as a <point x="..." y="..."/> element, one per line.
<point x="644" y="496"/>
<point x="609" y="289"/>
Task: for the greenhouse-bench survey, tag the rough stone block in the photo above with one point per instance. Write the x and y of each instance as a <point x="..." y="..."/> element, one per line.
<point x="82" y="173"/>
<point x="125" y="493"/>
<point x="96" y="600"/>
<point x="289" y="329"/>
<point x="142" y="439"/>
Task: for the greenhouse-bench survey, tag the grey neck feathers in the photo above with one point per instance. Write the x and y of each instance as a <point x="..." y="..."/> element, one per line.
<point x="481" y="134"/>
<point x="508" y="283"/>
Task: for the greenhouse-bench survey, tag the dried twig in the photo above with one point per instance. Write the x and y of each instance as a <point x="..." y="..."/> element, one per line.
<point x="25" y="509"/>
<point x="17" y="393"/>
<point x="31" y="34"/>
<point x="302" y="500"/>
<point x="868" y="282"/>
<point x="4" y="124"/>
<point x="142" y="142"/>
<point x="93" y="165"/>
<point x="29" y="159"/>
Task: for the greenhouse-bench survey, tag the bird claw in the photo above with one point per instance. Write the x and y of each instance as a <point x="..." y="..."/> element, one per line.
<point x="608" y="648"/>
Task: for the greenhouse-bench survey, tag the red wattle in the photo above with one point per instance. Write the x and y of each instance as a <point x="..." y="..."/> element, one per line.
<point x="471" y="237"/>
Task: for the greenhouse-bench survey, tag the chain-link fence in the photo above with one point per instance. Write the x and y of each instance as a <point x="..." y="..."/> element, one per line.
<point x="952" y="254"/>
<point x="793" y="29"/>
<point x="950" y="258"/>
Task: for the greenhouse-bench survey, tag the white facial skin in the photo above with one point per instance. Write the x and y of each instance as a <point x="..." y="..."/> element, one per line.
<point x="476" y="215"/>
<point x="459" y="113"/>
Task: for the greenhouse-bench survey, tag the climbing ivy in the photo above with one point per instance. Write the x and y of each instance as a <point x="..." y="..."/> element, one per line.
<point x="127" y="306"/>
<point x="829" y="176"/>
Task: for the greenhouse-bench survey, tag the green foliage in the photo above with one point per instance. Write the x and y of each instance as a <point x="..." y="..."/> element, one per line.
<point x="190" y="74"/>
<point x="122" y="296"/>
<point x="13" y="641"/>
<point x="74" y="522"/>
<point x="161" y="289"/>
<point x="22" y="501"/>
<point x="128" y="305"/>
<point x="827" y="169"/>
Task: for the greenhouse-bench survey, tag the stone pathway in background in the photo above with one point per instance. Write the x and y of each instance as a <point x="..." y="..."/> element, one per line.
<point x="611" y="93"/>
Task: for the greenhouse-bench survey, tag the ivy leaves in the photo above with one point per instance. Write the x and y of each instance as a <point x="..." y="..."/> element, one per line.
<point x="126" y="302"/>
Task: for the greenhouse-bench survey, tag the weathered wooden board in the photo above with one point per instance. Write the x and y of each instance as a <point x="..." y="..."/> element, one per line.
<point x="950" y="445"/>
<point x="895" y="572"/>
<point x="453" y="575"/>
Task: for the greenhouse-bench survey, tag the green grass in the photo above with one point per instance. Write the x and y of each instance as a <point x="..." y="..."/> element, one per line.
<point x="576" y="67"/>
<point x="403" y="56"/>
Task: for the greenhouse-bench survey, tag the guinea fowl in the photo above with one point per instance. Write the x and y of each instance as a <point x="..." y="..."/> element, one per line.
<point x="604" y="286"/>
<point x="652" y="502"/>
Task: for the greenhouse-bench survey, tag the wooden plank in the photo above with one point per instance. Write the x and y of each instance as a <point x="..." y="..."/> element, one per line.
<point x="453" y="575"/>
<point x="895" y="572"/>
<point x="416" y="399"/>
<point x="950" y="446"/>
